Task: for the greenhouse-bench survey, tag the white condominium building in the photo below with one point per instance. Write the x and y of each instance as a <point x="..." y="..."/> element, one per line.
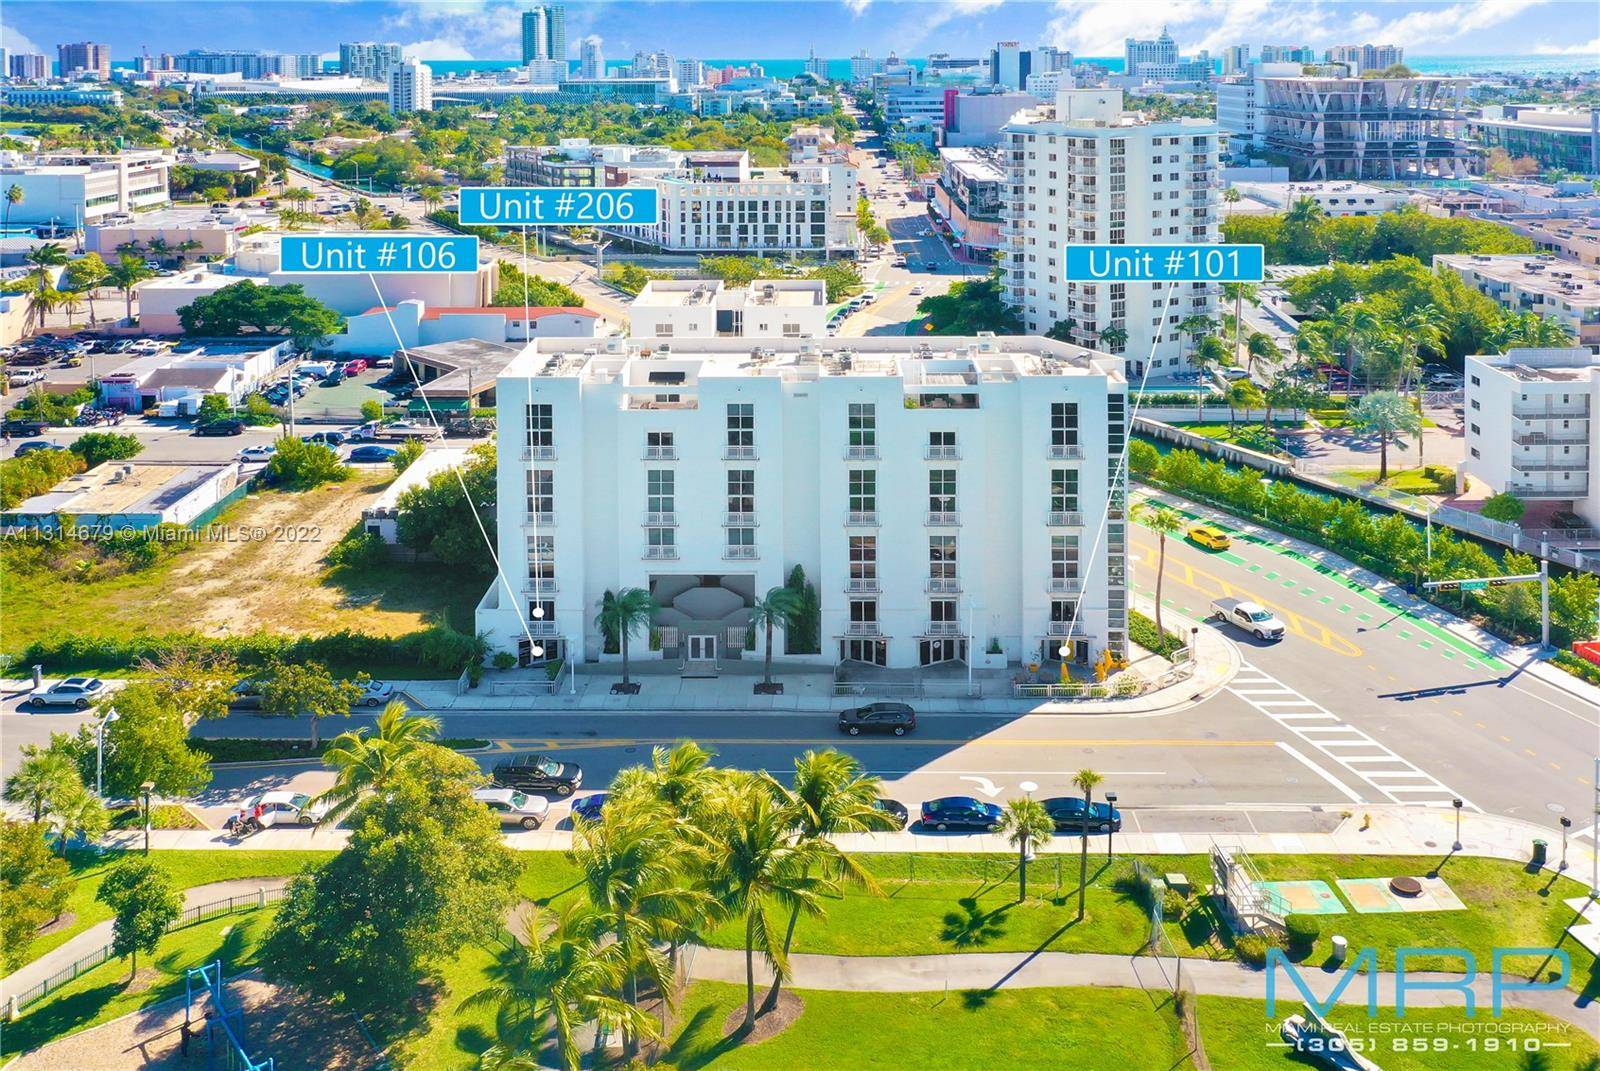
<point x="368" y="60"/>
<point x="1363" y="58"/>
<point x="1531" y="425"/>
<point x="1086" y="172"/>
<point x="1566" y="292"/>
<point x="705" y="308"/>
<point x="71" y="188"/>
<point x="411" y="88"/>
<point x="948" y="498"/>
<point x="710" y="201"/>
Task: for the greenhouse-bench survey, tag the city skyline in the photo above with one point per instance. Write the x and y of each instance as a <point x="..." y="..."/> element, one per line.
<point x="491" y="29"/>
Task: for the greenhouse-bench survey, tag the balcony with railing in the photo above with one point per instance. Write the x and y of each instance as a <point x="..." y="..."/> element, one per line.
<point x="944" y="585"/>
<point x="942" y="628"/>
<point x="1058" y="628"/>
<point x="538" y="586"/>
<point x="863" y="628"/>
<point x="1064" y="585"/>
<point x="660" y="520"/>
<point x="942" y="453"/>
<point x="1549" y="438"/>
<point x="542" y="627"/>
<point x="660" y="553"/>
<point x="1545" y="491"/>
<point x="542" y="519"/>
<point x="1578" y="462"/>
<point x="861" y="452"/>
<point x="1064" y="452"/>
<point x="943" y="519"/>
<point x="862" y="585"/>
<point x="538" y="453"/>
<point x="739" y="553"/>
<point x="1549" y="409"/>
<point x="661" y="453"/>
<point x="739" y="520"/>
<point x="739" y="452"/>
<point x="861" y="518"/>
<point x="1064" y="519"/>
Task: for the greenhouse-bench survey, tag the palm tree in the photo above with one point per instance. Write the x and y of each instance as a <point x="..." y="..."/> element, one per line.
<point x="1259" y="347"/>
<point x="41" y="302"/>
<point x="1025" y="822"/>
<point x="1114" y="338"/>
<point x="631" y="867"/>
<point x="76" y="813"/>
<point x="1352" y="323"/>
<point x="549" y="987"/>
<point x="752" y="861"/>
<point x="367" y="762"/>
<point x="42" y="776"/>
<point x="1163" y="521"/>
<point x="1242" y="394"/>
<point x="1084" y="781"/>
<point x="299" y="196"/>
<point x="623" y="614"/>
<point x="1240" y="293"/>
<point x="677" y="778"/>
<point x="778" y="607"/>
<point x="831" y="795"/>
<point x="1387" y="414"/>
<point x="13" y="197"/>
<point x="432" y="197"/>
<point x="1194" y="326"/>
<point x="126" y="275"/>
<point x="70" y="300"/>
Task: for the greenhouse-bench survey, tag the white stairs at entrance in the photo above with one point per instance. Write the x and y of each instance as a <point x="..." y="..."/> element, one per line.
<point x="698" y="668"/>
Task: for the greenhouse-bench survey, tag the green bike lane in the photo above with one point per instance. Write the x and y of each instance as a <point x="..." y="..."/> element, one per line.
<point x="1468" y="718"/>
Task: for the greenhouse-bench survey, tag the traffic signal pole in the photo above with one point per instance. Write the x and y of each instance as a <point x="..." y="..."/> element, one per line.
<point x="1480" y="583"/>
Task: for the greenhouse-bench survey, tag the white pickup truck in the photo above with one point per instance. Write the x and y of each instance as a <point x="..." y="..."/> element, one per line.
<point x="1250" y="616"/>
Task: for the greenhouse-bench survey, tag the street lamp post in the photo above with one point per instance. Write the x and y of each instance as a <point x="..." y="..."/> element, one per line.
<point x="144" y="793"/>
<point x="1566" y="824"/>
<point x="100" y="752"/>
<point x="1111" y="824"/>
<point x="1457" y="804"/>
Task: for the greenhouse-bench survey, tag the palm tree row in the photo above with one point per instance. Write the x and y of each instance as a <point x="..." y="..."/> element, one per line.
<point x="680" y="848"/>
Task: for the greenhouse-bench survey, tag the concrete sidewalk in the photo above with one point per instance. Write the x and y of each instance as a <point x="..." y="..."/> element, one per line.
<point x="99" y="935"/>
<point x="1392" y="830"/>
<point x="1216" y="662"/>
<point x="1035" y="970"/>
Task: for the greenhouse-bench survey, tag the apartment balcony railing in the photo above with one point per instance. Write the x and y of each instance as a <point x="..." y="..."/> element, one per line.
<point x="660" y="553"/>
<point x="738" y="453"/>
<point x="944" y="519"/>
<point x="739" y="520"/>
<point x="542" y="627"/>
<point x="545" y="586"/>
<point x="862" y="628"/>
<point x="942" y="453"/>
<point x="1542" y="410"/>
<point x="861" y="585"/>
<point x="1545" y="491"/>
<point x="538" y="453"/>
<point x="1061" y="452"/>
<point x="1065" y="519"/>
<point x="942" y="628"/>
<point x="944" y="585"/>
<point x="1010" y="213"/>
<point x="1549" y="438"/>
<point x="532" y="517"/>
<point x="1575" y="463"/>
<point x="862" y="452"/>
<point x="661" y="453"/>
<point x="1058" y="628"/>
<point x="867" y="518"/>
<point x="660" y="520"/>
<point x="739" y="553"/>
<point x="1064" y="585"/>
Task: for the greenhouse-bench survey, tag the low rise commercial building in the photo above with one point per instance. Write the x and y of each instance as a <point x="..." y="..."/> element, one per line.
<point x="1530" y="417"/>
<point x="1565" y="292"/>
<point x="1571" y="239"/>
<point x="705" y="308"/>
<point x="1554" y="135"/>
<point x="73" y="96"/>
<point x="72" y="189"/>
<point x="231" y="369"/>
<point x="382" y="518"/>
<point x="945" y="496"/>
<point x="381" y="330"/>
<point x="1334" y="198"/>
<point x="164" y="234"/>
<point x="967" y="198"/>
<point x="135" y="495"/>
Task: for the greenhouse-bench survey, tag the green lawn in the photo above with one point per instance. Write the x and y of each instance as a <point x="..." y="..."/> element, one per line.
<point x="1236" y="1035"/>
<point x="967" y="1030"/>
<point x="188" y="869"/>
<point x="101" y="994"/>
<point x="1427" y="480"/>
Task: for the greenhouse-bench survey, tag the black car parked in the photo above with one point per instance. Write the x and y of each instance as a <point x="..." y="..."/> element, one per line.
<point x="538" y="773"/>
<point x="896" y="718"/>
<point x="894" y="809"/>
<point x="960" y="812"/>
<point x="1067" y="813"/>
<point x="221" y="427"/>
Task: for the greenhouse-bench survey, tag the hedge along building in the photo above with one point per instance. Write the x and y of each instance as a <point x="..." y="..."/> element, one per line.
<point x="945" y="496"/>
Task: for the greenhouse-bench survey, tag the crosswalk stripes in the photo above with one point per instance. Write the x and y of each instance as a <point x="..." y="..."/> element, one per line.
<point x="1366" y="758"/>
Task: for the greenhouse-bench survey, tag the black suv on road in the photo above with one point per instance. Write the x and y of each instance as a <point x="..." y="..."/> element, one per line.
<point x="896" y="718"/>
<point x="538" y="773"/>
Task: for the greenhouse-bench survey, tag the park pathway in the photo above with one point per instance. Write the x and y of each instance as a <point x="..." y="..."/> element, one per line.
<point x="99" y="935"/>
<point x="1035" y="970"/>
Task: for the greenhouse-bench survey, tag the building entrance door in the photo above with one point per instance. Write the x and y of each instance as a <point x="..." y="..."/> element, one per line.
<point x="702" y="648"/>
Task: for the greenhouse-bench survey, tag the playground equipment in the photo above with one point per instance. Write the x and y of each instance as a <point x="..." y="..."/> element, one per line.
<point x="206" y="1014"/>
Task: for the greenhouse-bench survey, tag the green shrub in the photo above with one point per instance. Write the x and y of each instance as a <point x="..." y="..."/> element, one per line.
<point x="34" y="474"/>
<point x="1252" y="948"/>
<point x="1142" y="630"/>
<point x="300" y="466"/>
<point x="1302" y="931"/>
<point x="1581" y="668"/>
<point x="503" y="660"/>
<point x="96" y="447"/>
<point x="359" y="549"/>
<point x="1173" y="905"/>
<point x="405" y="454"/>
<point x="552" y="668"/>
<point x="371" y="409"/>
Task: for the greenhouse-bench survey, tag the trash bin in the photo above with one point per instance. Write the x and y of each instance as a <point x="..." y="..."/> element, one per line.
<point x="1340" y="948"/>
<point x="1540" y="849"/>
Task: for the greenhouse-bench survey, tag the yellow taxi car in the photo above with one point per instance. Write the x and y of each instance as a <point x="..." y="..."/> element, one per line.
<point x="1210" y="538"/>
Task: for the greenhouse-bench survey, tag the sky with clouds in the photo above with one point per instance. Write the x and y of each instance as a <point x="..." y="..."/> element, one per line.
<point x="488" y="29"/>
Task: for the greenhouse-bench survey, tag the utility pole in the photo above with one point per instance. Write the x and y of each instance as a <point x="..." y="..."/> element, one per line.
<point x="1544" y="606"/>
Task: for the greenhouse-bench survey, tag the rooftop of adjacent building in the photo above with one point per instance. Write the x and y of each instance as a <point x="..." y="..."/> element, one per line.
<point x="119" y="487"/>
<point x="1573" y="364"/>
<point x="975" y="164"/>
<point x="942" y="361"/>
<point x="1542" y="272"/>
<point x="712" y="293"/>
<point x="14" y="162"/>
<point x="1086" y="110"/>
<point x="179" y="217"/>
<point x="434" y="460"/>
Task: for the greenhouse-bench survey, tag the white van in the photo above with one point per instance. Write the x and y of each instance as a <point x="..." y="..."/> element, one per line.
<point x="320" y="369"/>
